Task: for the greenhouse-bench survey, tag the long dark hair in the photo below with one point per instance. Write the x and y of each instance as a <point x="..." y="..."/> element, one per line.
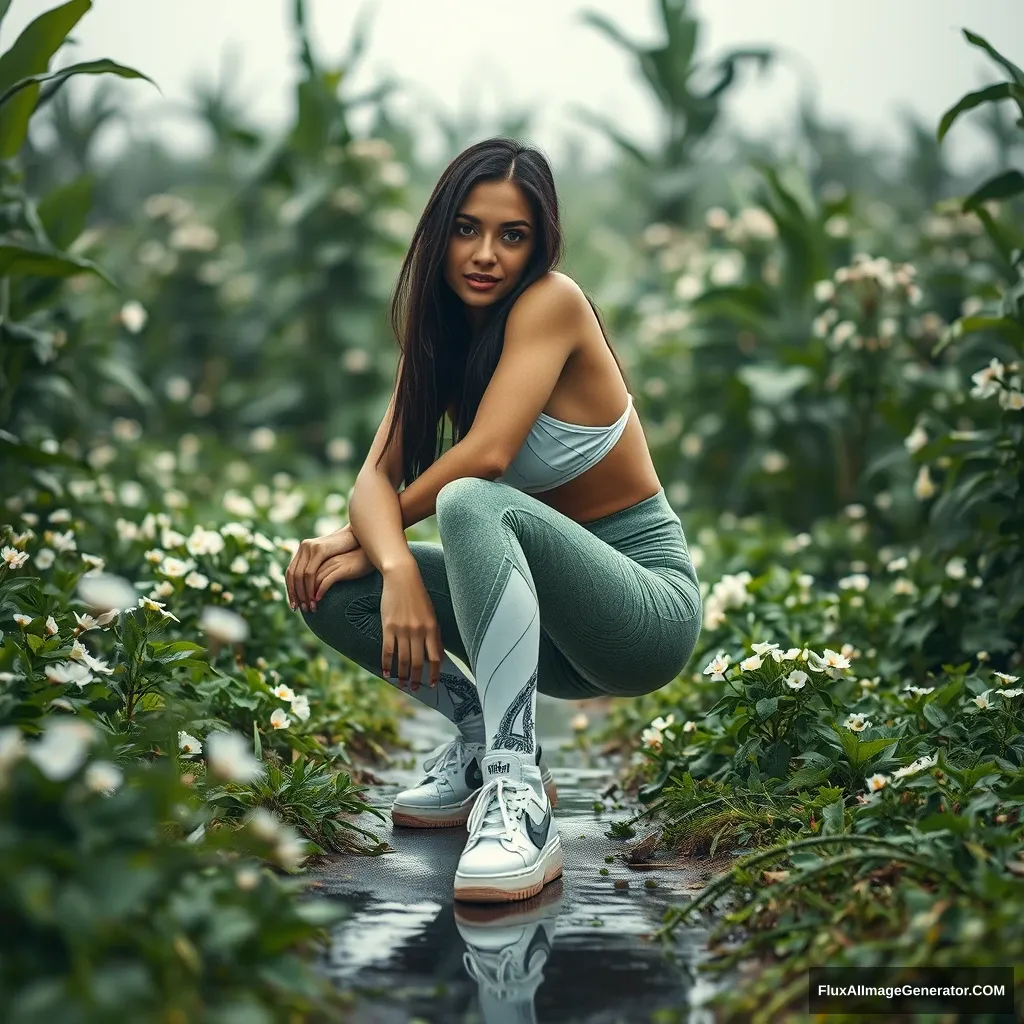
<point x="441" y="364"/>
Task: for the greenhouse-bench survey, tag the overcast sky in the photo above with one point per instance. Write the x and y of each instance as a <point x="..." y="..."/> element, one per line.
<point x="867" y="60"/>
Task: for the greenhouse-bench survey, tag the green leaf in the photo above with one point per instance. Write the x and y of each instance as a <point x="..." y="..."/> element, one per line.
<point x="775" y="761"/>
<point x="976" y="40"/>
<point x="992" y="94"/>
<point x="13" y="450"/>
<point x="608" y="127"/>
<point x="64" y="211"/>
<point x="772" y="384"/>
<point x="935" y="715"/>
<point x="257" y="745"/>
<point x="611" y="30"/>
<point x="832" y="818"/>
<point x="766" y="707"/>
<point x="1002" y="186"/>
<point x="23" y="256"/>
<point x="30" y="55"/>
<point x="93" y="67"/>
<point x="121" y="374"/>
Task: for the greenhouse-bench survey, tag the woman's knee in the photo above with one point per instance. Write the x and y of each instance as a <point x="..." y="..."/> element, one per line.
<point x="459" y="501"/>
<point x="343" y="609"/>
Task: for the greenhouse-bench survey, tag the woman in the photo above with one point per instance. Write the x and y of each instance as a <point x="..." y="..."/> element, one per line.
<point x="562" y="567"/>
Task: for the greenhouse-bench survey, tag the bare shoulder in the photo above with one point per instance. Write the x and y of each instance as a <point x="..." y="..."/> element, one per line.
<point x="554" y="299"/>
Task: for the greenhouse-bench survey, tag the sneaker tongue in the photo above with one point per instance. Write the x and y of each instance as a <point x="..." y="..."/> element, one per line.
<point x="501" y="765"/>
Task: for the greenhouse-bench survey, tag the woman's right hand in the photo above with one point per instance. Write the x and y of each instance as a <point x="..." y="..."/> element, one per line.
<point x="412" y="637"/>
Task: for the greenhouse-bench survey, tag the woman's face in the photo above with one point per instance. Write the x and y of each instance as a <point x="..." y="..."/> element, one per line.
<point x="493" y="236"/>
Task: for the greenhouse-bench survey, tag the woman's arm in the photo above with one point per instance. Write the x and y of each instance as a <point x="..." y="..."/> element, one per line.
<point x="379" y="514"/>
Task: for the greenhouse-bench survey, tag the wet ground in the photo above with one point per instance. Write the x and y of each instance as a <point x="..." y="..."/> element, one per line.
<point x="578" y="952"/>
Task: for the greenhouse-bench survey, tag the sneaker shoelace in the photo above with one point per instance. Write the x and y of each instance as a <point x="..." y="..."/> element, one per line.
<point x="498" y="808"/>
<point x="501" y="973"/>
<point x="452" y="756"/>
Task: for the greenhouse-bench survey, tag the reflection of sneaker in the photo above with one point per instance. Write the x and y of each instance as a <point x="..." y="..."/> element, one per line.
<point x="513" y="849"/>
<point x="507" y="946"/>
<point x="447" y="794"/>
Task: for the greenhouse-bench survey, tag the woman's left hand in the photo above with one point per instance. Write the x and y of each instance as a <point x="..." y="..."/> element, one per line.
<point x="348" y="566"/>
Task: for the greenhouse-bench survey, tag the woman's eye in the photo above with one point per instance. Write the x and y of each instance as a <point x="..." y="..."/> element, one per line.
<point x="519" y="235"/>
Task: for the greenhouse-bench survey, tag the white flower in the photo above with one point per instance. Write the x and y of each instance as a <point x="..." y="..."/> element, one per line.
<point x="22" y="620"/>
<point x="797" y="680"/>
<point x="171" y="539"/>
<point x="188" y="744"/>
<point x="197" y="581"/>
<point x="689" y="726"/>
<point x="279" y="720"/>
<point x="156" y="606"/>
<point x="663" y="724"/>
<point x="717" y="666"/>
<point x="924" y="486"/>
<point x="982" y="700"/>
<point x="230" y="756"/>
<point x="62" y="749"/>
<point x="204" y="542"/>
<point x="103" y="777"/>
<point x="13" y="558"/>
<point x="858" y="581"/>
<point x="105" y="592"/>
<point x="12" y="749"/>
<point x="79" y="652"/>
<point x="1010" y="693"/>
<point x="915" y="440"/>
<point x="1004" y="679"/>
<point x="51" y="627"/>
<point x="651" y="738"/>
<point x="751" y="664"/>
<point x="956" y="568"/>
<point x="764" y="648"/>
<point x="856" y="723"/>
<point x="300" y="707"/>
<point x="986" y="380"/>
<point x="224" y="625"/>
<point x="824" y="291"/>
<point x="239" y="566"/>
<point x="1012" y="400"/>
<point x="62" y="672"/>
<point x="175" y="568"/>
<point x="919" y="691"/>
<point x="915" y="766"/>
<point x="904" y="586"/>
<point x="283" y="692"/>
<point x="133" y="316"/>
<point x="579" y="722"/>
<point x="877" y="782"/>
<point x="835" y="664"/>
<point x="897" y="564"/>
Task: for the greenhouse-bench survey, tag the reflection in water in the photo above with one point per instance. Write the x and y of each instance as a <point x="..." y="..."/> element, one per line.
<point x="411" y="953"/>
<point x="507" y="948"/>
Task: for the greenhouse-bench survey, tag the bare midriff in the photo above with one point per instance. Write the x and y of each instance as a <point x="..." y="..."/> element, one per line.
<point x="591" y="392"/>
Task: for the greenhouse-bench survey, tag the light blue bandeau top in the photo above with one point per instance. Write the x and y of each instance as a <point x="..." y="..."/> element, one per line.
<point x="556" y="452"/>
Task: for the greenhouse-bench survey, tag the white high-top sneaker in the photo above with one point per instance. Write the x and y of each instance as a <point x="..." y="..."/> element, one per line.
<point x="445" y="797"/>
<point x="513" y="849"/>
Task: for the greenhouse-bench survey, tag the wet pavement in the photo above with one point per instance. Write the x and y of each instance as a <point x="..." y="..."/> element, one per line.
<point x="579" y="953"/>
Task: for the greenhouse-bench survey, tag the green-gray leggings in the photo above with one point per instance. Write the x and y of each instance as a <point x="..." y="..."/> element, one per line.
<point x="533" y="600"/>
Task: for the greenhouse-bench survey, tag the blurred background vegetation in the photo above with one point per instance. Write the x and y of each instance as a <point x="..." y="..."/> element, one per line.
<point x="825" y="347"/>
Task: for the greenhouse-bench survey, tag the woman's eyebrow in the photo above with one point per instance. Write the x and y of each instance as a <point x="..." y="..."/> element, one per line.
<point x="507" y="224"/>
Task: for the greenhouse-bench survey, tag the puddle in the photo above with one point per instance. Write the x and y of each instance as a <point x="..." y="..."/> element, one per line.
<point x="578" y="952"/>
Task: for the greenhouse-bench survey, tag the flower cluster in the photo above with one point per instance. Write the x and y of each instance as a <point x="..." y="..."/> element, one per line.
<point x="1004" y="383"/>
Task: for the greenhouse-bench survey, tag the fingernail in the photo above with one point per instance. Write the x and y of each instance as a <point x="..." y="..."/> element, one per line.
<point x="314" y="606"/>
